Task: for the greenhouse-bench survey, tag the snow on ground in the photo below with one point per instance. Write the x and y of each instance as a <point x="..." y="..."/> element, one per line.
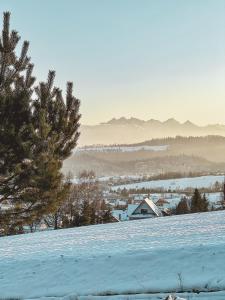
<point x="162" y="296"/>
<point x="160" y="255"/>
<point x="123" y="148"/>
<point x="174" y="184"/>
<point x="172" y="199"/>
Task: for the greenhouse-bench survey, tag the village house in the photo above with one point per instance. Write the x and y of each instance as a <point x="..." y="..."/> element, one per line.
<point x="146" y="209"/>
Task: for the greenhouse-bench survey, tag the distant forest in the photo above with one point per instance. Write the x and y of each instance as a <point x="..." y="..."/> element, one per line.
<point x="209" y="139"/>
<point x="183" y="155"/>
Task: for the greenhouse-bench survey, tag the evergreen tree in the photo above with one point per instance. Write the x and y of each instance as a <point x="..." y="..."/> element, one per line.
<point x="16" y="130"/>
<point x="15" y="72"/>
<point x="204" y="204"/>
<point x="198" y="203"/>
<point x="86" y="213"/>
<point x="15" y="112"/>
<point x="38" y="130"/>
<point x="195" y="201"/>
<point x="182" y="207"/>
<point x="62" y="117"/>
<point x="56" y="133"/>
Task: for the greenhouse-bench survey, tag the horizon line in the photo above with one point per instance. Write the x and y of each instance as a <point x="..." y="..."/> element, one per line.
<point x="152" y="119"/>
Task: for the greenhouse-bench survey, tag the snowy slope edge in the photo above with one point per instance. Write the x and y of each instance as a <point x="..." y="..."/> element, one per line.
<point x="181" y="253"/>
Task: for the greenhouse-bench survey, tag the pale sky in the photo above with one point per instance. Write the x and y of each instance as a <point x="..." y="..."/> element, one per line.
<point x="142" y="58"/>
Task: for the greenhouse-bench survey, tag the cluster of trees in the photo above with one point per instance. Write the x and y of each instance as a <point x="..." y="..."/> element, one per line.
<point x="216" y="187"/>
<point x="197" y="203"/>
<point x="38" y="130"/>
<point x="84" y="205"/>
<point x="202" y="140"/>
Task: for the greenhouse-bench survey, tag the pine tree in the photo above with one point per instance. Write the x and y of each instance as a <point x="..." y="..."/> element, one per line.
<point x="86" y="213"/>
<point x="37" y="133"/>
<point x="16" y="130"/>
<point x="204" y="204"/>
<point x="61" y="116"/>
<point x="198" y="203"/>
<point x="15" y="113"/>
<point x="195" y="201"/>
<point x="15" y="72"/>
<point x="182" y="207"/>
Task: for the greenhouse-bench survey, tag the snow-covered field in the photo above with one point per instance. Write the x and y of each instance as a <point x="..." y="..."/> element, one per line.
<point x="137" y="259"/>
<point x="174" y="184"/>
<point x="122" y="148"/>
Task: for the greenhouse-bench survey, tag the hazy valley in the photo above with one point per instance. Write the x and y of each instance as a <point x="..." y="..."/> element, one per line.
<point x="156" y="156"/>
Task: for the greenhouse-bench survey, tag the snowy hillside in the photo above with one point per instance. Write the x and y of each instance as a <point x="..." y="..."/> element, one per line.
<point x="161" y="255"/>
<point x="174" y="184"/>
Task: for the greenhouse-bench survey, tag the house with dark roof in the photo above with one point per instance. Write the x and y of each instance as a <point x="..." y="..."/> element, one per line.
<point x="146" y="209"/>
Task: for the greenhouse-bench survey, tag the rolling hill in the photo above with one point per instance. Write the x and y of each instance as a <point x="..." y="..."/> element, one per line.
<point x="180" y="154"/>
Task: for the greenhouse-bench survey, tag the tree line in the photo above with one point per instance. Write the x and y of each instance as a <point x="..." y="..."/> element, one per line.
<point x="83" y="205"/>
<point x="197" y="203"/>
<point x="216" y="187"/>
<point x="182" y="140"/>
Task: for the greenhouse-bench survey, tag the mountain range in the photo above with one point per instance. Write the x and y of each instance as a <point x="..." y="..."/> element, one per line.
<point x="133" y="130"/>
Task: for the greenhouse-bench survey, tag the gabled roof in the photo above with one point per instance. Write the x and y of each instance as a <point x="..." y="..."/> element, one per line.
<point x="153" y="207"/>
<point x="131" y="208"/>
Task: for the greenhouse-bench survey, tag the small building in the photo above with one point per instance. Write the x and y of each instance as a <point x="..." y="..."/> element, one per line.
<point x="146" y="209"/>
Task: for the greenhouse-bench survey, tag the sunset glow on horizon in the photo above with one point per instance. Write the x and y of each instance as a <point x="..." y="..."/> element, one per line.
<point x="145" y="59"/>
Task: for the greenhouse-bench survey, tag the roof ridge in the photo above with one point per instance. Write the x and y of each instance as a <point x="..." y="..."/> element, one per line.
<point x="152" y="205"/>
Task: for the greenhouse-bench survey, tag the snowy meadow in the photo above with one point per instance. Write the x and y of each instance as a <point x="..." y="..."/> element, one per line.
<point x="174" y="184"/>
<point x="146" y="259"/>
